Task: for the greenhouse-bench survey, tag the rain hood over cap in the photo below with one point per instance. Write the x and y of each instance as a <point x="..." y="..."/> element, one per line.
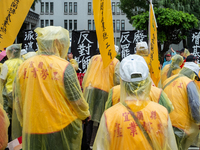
<point x="142" y="48"/>
<point x="133" y="68"/>
<point x="53" y="40"/>
<point x="192" y="66"/>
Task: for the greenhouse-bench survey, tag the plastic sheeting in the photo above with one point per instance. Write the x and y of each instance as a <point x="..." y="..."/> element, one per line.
<point x="48" y="99"/>
<point x="119" y="130"/>
<point x="74" y="64"/>
<point x="96" y="84"/>
<point x="171" y="69"/>
<point x="185" y="127"/>
<point x="4" y="124"/>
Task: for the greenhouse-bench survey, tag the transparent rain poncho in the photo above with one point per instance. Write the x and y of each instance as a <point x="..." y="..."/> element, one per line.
<point x="4" y="124"/>
<point x="135" y="122"/>
<point x="172" y="69"/>
<point x="96" y="84"/>
<point x="48" y="99"/>
<point x="184" y="96"/>
<point x="186" y="53"/>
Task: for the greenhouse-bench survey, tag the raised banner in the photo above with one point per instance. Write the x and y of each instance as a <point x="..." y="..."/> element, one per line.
<point x="193" y="43"/>
<point x="129" y="39"/>
<point x="153" y="47"/>
<point x="104" y="29"/>
<point x="30" y="40"/>
<point x="13" y="14"/>
<point x="84" y="45"/>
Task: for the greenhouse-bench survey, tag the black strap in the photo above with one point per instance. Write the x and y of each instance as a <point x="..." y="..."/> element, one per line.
<point x="172" y="81"/>
<point x="140" y="126"/>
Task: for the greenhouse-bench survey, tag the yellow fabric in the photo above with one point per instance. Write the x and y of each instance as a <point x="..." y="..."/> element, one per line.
<point x="116" y="94"/>
<point x="153" y="46"/>
<point x="165" y="71"/>
<point x="197" y="82"/>
<point x="4" y="124"/>
<point x="12" y="65"/>
<point x="181" y="116"/>
<point x="97" y="76"/>
<point x="155" y="94"/>
<point x="74" y="64"/>
<point x="29" y="80"/>
<point x="104" y="30"/>
<point x="122" y="131"/>
<point x="13" y="14"/>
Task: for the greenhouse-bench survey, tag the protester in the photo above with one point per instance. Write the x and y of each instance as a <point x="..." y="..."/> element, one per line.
<point x="156" y="95"/>
<point x="171" y="69"/>
<point x="184" y="96"/>
<point x="96" y="84"/>
<point x="72" y="61"/>
<point x="184" y="53"/>
<point x="191" y="58"/>
<point x="168" y="59"/>
<point x="135" y="122"/>
<point x="8" y="73"/>
<point x="48" y="98"/>
<point x="4" y="124"/>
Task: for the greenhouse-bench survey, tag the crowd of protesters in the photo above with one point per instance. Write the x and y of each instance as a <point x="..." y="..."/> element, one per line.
<point x="118" y="108"/>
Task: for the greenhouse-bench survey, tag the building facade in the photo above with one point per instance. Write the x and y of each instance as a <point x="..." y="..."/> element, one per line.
<point x="78" y="15"/>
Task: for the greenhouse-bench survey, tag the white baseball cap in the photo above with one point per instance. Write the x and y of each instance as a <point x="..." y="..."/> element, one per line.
<point x="141" y="46"/>
<point x="192" y="66"/>
<point x="23" y="51"/>
<point x="133" y="68"/>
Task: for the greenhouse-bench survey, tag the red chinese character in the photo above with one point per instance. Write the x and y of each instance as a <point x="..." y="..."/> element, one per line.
<point x="126" y="116"/>
<point x="25" y="73"/>
<point x="147" y="126"/>
<point x="180" y="85"/>
<point x="153" y="115"/>
<point x="44" y="73"/>
<point x="34" y="71"/>
<point x="112" y="63"/>
<point x="140" y="115"/>
<point x="40" y="65"/>
<point x="118" y="130"/>
<point x="31" y="64"/>
<point x="54" y="76"/>
<point x="96" y="59"/>
<point x="160" y="128"/>
<point x="133" y="129"/>
<point x="174" y="83"/>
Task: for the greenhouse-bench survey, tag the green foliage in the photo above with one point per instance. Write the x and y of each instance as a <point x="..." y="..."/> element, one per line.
<point x="173" y="25"/>
<point x="118" y="57"/>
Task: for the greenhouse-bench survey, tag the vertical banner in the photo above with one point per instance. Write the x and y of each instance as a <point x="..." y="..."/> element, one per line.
<point x="104" y="29"/>
<point x="153" y="47"/>
<point x="30" y="40"/>
<point x="129" y="39"/>
<point x="84" y="45"/>
<point x="193" y="43"/>
<point x="13" y="14"/>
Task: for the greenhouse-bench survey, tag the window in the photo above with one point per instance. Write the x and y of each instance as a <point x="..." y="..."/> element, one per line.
<point x="51" y="22"/>
<point x="118" y="41"/>
<point x="70" y="24"/>
<point x="75" y="7"/>
<point x="65" y="7"/>
<point x="122" y="25"/>
<point x="46" y="22"/>
<point x="93" y="25"/>
<point x="42" y="23"/>
<point x="75" y="24"/>
<point x="65" y="24"/>
<point x="118" y="25"/>
<point x="118" y="10"/>
<point x="51" y="7"/>
<point x="114" y="25"/>
<point x="47" y="7"/>
<point x="89" y="7"/>
<point x="89" y="25"/>
<point x="42" y="7"/>
<point x="70" y="7"/>
<point x="113" y="7"/>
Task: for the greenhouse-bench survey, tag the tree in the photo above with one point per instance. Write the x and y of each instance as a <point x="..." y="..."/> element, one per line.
<point x="34" y="2"/>
<point x="173" y="26"/>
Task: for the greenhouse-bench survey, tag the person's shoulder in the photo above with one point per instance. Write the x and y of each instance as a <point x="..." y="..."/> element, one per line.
<point x="116" y="109"/>
<point x="153" y="106"/>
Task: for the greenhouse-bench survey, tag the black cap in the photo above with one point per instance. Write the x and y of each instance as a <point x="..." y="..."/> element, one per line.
<point x="191" y="58"/>
<point x="181" y="51"/>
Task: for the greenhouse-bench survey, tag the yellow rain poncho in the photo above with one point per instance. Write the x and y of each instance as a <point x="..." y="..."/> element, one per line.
<point x="48" y="99"/>
<point x="135" y="122"/>
<point x="184" y="96"/>
<point x="4" y="124"/>
<point x="8" y="73"/>
<point x="171" y="69"/>
<point x="156" y="95"/>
